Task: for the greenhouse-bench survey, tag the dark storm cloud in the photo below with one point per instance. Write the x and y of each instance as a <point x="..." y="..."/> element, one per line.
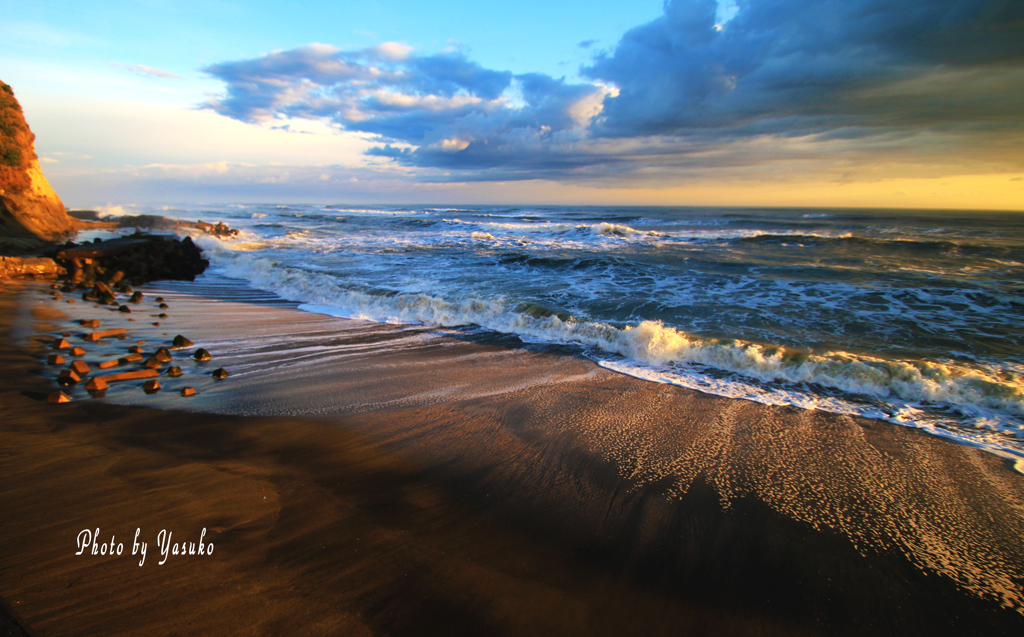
<point x="827" y="63"/>
<point x="675" y="92"/>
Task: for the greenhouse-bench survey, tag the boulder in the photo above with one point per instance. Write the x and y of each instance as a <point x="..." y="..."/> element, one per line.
<point x="95" y="336"/>
<point x="188" y="391"/>
<point x="80" y="367"/>
<point x="61" y="343"/>
<point x="96" y="384"/>
<point x="220" y="373"/>
<point x="202" y="355"/>
<point x="55" y="359"/>
<point x="59" y="397"/>
<point x="136" y="375"/>
<point x="12" y="267"/>
<point x="68" y="377"/>
<point x="78" y="351"/>
<point x="151" y="386"/>
<point x="174" y="372"/>
<point x="181" y="341"/>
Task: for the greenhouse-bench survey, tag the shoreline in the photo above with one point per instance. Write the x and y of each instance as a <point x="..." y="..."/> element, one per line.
<point x="491" y="490"/>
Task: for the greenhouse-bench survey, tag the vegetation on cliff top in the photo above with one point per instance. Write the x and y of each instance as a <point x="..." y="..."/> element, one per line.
<point x="16" y="150"/>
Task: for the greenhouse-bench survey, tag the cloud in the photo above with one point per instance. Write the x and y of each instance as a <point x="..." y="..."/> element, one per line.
<point x="454" y="112"/>
<point x="148" y="71"/>
<point x="807" y="66"/>
<point x="818" y="85"/>
<point x="586" y="44"/>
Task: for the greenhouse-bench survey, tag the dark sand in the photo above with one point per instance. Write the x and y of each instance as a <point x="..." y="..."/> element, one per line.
<point x="431" y="484"/>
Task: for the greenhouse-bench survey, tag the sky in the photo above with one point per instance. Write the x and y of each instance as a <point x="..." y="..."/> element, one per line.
<point x="847" y="103"/>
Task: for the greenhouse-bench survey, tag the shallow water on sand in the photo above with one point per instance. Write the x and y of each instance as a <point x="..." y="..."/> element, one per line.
<point x="914" y="317"/>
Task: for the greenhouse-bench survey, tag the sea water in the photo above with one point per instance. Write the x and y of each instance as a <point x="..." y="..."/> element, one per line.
<point x="911" y="316"/>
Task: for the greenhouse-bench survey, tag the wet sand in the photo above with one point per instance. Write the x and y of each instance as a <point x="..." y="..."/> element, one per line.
<point x="364" y="479"/>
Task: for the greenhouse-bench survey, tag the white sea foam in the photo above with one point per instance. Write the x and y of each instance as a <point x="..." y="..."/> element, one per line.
<point x="972" y="390"/>
<point x="451" y="272"/>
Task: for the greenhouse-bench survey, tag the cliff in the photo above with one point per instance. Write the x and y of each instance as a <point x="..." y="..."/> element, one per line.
<point x="30" y="211"/>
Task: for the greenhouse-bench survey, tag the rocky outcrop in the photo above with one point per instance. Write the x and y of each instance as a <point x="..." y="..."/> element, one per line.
<point x="139" y="259"/>
<point x="30" y="211"/>
<point x="13" y="267"/>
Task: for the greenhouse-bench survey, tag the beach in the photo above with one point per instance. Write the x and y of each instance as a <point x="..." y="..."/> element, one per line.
<point x="367" y="478"/>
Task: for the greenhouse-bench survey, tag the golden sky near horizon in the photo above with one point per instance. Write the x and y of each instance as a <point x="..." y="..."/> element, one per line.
<point x="861" y="105"/>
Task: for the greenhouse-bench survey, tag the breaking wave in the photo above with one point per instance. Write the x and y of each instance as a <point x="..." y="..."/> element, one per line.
<point x="930" y="394"/>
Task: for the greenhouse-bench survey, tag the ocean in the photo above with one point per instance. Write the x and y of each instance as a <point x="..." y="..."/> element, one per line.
<point x="915" y="317"/>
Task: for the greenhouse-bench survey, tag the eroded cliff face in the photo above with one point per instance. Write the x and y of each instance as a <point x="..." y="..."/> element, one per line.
<point x="29" y="208"/>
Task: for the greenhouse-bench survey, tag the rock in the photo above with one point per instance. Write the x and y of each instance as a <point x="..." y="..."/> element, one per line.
<point x="61" y="343"/>
<point x="55" y="359"/>
<point x="90" y="323"/>
<point x="188" y="391"/>
<point x="142" y="258"/>
<point x="103" y="293"/>
<point x="97" y="384"/>
<point x="159" y="299"/>
<point x="29" y="208"/>
<point x="124" y="309"/>
<point x="109" y="364"/>
<point x="151" y="386"/>
<point x="174" y="372"/>
<point x="80" y="367"/>
<point x="220" y="373"/>
<point x="78" y="351"/>
<point x="153" y="363"/>
<point x="157" y="324"/>
<point x="202" y="355"/>
<point x="181" y="341"/>
<point x="136" y="297"/>
<point x="95" y="336"/>
<point x="161" y="316"/>
<point x="163" y="306"/>
<point x="135" y="349"/>
<point x="68" y="377"/>
<point x="59" y="397"/>
<point x="136" y="375"/>
<point x="131" y="358"/>
<point x="14" y="267"/>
